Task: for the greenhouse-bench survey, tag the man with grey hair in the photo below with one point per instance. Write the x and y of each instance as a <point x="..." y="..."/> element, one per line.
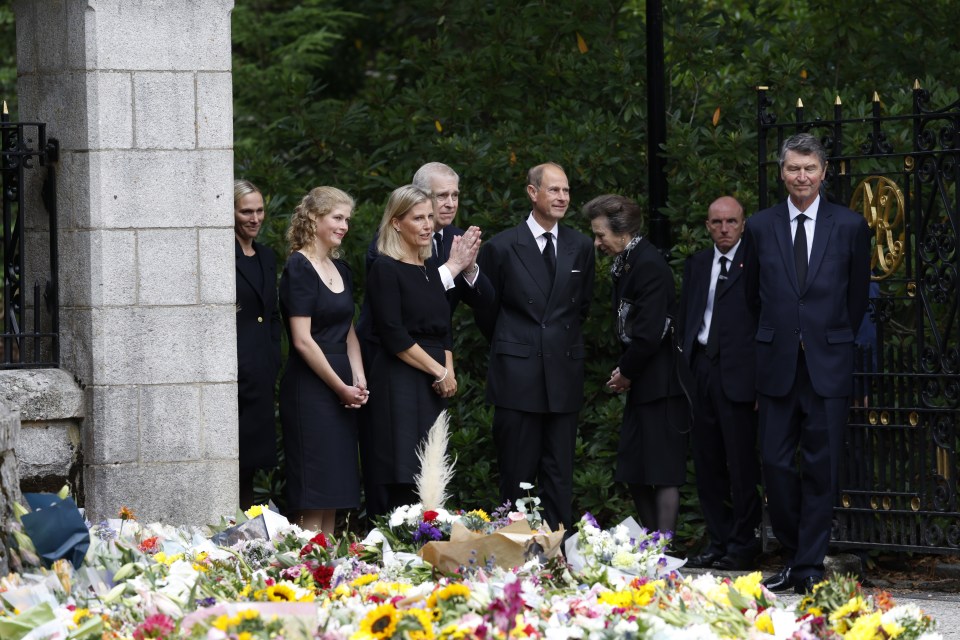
<point x="808" y="276"/>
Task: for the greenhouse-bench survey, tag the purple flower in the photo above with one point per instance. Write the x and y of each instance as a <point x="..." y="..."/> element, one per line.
<point x="426" y="532"/>
<point x="590" y="519"/>
<point x="206" y="602"/>
<point x="104" y="532"/>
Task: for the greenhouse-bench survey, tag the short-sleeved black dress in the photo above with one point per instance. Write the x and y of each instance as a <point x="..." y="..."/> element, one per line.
<point x="319" y="433"/>
<point x="409" y="306"/>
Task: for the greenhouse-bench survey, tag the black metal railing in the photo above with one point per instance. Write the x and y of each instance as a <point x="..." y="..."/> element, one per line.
<point x="899" y="479"/>
<point x="31" y="309"/>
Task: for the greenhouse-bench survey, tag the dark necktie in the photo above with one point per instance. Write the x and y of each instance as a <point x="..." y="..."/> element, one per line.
<point x="713" y="346"/>
<point x="438" y="248"/>
<point x="800" y="250"/>
<point x="550" y="256"/>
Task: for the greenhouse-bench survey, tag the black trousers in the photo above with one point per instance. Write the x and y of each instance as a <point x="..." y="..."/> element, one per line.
<point x="727" y="463"/>
<point x="537" y="448"/>
<point x="800" y="498"/>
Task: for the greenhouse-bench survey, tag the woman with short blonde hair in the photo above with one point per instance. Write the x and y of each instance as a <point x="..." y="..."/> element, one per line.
<point x="413" y="372"/>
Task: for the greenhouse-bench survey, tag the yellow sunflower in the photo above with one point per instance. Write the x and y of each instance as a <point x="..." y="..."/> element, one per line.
<point x="281" y="593"/>
<point x="80" y="615"/>
<point x="379" y="623"/>
<point x="422" y="619"/>
<point x="480" y="513"/>
<point x="450" y="592"/>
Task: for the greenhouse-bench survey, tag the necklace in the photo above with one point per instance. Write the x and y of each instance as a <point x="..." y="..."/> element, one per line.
<point x="319" y="265"/>
<point x="424" y="269"/>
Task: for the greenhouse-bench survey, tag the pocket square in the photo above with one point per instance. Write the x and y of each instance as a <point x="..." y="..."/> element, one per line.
<point x="575" y="271"/>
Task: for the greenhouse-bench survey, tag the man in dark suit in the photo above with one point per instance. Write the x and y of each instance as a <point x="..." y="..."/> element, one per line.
<point x="718" y="332"/>
<point x="542" y="273"/>
<point x="808" y="273"/>
<point x="455" y="254"/>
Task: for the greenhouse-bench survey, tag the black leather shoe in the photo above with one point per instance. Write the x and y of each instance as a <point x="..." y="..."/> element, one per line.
<point x="734" y="563"/>
<point x="705" y="560"/>
<point x="780" y="581"/>
<point x="804" y="586"/>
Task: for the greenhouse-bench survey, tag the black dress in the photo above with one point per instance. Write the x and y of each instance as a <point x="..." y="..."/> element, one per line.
<point x="258" y="357"/>
<point x="319" y="433"/>
<point x="656" y="417"/>
<point x="409" y="306"/>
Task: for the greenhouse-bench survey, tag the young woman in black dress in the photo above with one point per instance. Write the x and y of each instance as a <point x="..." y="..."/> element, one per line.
<point x="324" y="380"/>
<point x="412" y="374"/>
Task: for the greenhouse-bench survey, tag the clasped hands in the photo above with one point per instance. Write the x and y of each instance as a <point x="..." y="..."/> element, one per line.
<point x="617" y="382"/>
<point x="354" y="396"/>
<point x="446" y="385"/>
<point x="463" y="252"/>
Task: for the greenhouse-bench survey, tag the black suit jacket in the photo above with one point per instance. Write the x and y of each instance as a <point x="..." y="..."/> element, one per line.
<point x="536" y="341"/>
<point x="258" y="355"/>
<point x="826" y="312"/>
<point x="646" y="285"/>
<point x="736" y="325"/>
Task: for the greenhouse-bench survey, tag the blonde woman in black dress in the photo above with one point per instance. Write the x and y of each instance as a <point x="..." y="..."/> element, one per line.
<point x="412" y="373"/>
<point x="324" y="381"/>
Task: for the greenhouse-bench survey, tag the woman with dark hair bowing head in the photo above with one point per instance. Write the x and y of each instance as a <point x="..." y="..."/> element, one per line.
<point x="651" y="456"/>
<point x="324" y="380"/>
<point x="258" y="338"/>
<point x="412" y="373"/>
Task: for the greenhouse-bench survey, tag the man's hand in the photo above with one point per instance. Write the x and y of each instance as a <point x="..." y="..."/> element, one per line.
<point x="463" y="251"/>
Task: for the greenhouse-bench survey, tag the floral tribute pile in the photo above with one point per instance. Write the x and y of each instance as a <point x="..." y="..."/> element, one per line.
<point x="156" y="582"/>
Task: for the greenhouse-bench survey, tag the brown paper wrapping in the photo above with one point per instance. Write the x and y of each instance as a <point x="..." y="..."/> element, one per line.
<point x="509" y="547"/>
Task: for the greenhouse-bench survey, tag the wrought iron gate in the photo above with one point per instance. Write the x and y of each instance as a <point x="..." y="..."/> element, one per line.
<point x="898" y="484"/>
<point x="29" y="331"/>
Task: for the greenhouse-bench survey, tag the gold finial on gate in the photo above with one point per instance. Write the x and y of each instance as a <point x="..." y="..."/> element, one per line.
<point x="5" y="112"/>
<point x="876" y="97"/>
<point x="837" y="101"/>
<point x="916" y="84"/>
<point x="799" y="103"/>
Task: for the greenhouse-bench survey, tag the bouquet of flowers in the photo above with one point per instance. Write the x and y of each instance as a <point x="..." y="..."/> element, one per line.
<point x="623" y="552"/>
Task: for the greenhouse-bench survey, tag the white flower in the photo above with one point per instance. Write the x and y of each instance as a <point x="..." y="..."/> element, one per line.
<point x="526" y="486"/>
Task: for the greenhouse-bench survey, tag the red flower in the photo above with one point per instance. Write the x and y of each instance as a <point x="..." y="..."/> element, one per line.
<point x="149" y="545"/>
<point x="356" y="548"/>
<point x="322" y="576"/>
<point x="307" y="549"/>
<point x="320" y="540"/>
<point x="430" y="516"/>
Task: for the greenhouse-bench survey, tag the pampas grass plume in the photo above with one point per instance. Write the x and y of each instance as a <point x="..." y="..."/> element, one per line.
<point x="436" y="469"/>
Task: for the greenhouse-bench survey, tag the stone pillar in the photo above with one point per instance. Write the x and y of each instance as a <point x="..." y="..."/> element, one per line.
<point x="9" y="482"/>
<point x="139" y="94"/>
